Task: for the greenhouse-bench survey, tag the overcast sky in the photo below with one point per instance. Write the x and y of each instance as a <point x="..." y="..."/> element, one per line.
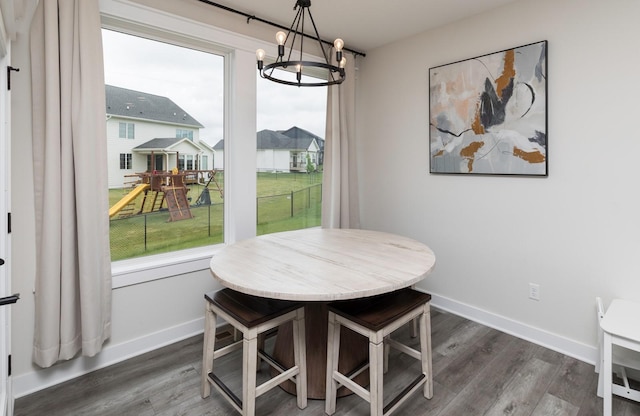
<point x="194" y="81"/>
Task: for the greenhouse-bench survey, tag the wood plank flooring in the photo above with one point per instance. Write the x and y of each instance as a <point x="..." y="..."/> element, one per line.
<point x="477" y="371"/>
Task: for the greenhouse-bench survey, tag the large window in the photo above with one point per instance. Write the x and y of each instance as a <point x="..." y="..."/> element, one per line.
<point x="182" y="133"/>
<point x="166" y="93"/>
<point x="290" y="142"/>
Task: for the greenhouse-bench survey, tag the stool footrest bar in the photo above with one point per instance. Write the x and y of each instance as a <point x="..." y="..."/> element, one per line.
<point x="225" y="390"/>
<point x="271" y="361"/>
<point x="415" y="384"/>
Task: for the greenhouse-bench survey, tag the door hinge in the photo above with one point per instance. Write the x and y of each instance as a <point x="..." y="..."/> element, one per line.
<point x="9" y="366"/>
<point x="10" y="300"/>
<point x="8" y="223"/>
<point x="9" y="69"/>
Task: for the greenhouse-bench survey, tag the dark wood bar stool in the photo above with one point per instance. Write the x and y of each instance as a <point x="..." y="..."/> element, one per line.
<point x="252" y="316"/>
<point x="376" y="318"/>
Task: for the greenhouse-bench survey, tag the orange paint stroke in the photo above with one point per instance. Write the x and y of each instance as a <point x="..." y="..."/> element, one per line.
<point x="469" y="152"/>
<point x="508" y="72"/>
<point x="471" y="149"/>
<point x="531" y="157"/>
<point x="477" y="126"/>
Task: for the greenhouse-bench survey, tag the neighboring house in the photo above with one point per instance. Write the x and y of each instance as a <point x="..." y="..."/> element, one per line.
<point x="298" y="133"/>
<point x="282" y="150"/>
<point x="150" y="132"/>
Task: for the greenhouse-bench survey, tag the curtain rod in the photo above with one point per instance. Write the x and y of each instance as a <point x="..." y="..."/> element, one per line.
<point x="251" y="17"/>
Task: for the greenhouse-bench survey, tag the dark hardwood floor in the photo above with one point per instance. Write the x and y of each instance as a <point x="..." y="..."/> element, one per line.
<point x="477" y="371"/>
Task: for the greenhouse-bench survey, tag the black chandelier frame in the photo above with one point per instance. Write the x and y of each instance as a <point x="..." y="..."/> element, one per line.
<point x="335" y="73"/>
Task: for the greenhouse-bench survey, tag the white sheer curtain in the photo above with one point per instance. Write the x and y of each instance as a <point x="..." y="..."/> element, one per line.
<point x="73" y="267"/>
<point x="340" y="208"/>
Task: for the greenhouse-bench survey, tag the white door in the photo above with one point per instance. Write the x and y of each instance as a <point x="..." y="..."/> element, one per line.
<point x="6" y="298"/>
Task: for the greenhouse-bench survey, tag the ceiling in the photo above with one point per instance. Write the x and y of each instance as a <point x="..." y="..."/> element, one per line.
<point x="367" y="24"/>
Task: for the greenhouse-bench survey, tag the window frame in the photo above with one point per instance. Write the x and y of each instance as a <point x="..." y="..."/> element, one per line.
<point x="127" y="158"/>
<point x="129" y="130"/>
<point x="239" y="130"/>
<point x="184" y="134"/>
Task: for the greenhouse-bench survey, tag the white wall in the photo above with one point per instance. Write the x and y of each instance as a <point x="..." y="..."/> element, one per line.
<point x="577" y="232"/>
<point x="273" y="160"/>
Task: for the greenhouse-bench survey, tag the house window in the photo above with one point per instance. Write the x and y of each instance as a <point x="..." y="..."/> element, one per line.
<point x="189" y="162"/>
<point x="125" y="161"/>
<point x="155" y="163"/>
<point x="127" y="130"/>
<point x="293" y="201"/>
<point x="186" y="162"/>
<point x="181" y="162"/>
<point x="182" y="133"/>
<point x="204" y="162"/>
<point x="162" y="109"/>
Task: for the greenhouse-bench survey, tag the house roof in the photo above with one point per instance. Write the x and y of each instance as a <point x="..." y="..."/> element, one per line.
<point x="298" y="133"/>
<point x="294" y="138"/>
<point x="269" y="139"/>
<point x="142" y="105"/>
<point x="164" y="144"/>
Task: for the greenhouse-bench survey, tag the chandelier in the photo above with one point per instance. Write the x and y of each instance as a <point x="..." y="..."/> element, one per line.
<point x="335" y="74"/>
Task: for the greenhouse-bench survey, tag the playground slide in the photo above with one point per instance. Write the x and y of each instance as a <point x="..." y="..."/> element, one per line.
<point x="126" y="200"/>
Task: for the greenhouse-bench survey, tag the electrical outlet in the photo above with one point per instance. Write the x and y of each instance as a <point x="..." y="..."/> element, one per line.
<point x="534" y="291"/>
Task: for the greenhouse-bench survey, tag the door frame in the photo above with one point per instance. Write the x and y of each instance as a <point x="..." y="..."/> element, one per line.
<point x="6" y="392"/>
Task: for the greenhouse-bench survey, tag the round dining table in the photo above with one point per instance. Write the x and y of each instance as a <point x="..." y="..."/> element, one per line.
<point x="317" y="266"/>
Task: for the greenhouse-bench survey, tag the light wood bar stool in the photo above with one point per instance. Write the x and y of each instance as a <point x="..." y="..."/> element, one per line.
<point x="620" y="329"/>
<point x="376" y="318"/>
<point x="252" y="316"/>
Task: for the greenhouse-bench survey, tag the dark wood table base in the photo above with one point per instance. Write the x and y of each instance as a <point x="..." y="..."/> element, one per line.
<point x="354" y="350"/>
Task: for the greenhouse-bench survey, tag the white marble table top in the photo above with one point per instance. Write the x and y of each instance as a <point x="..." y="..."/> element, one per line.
<point x="322" y="264"/>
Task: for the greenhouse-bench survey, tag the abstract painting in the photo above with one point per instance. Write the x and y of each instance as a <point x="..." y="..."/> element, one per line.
<point x="488" y="115"/>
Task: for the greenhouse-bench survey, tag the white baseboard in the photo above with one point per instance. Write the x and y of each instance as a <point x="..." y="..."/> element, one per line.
<point x="571" y="348"/>
<point x="25" y="384"/>
<point x="28" y="383"/>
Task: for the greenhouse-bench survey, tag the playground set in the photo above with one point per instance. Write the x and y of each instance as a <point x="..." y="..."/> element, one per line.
<point x="165" y="190"/>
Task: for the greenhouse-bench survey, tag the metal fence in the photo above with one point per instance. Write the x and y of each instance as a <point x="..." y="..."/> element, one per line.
<point x="279" y="207"/>
<point x="153" y="233"/>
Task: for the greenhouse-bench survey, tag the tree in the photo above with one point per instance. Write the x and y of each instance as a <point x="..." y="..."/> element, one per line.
<point x="310" y="166"/>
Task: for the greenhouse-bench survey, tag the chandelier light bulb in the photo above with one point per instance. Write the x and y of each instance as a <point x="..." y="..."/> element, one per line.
<point x="260" y="57"/>
<point x="343" y="62"/>
<point x="338" y="44"/>
<point x="281" y="37"/>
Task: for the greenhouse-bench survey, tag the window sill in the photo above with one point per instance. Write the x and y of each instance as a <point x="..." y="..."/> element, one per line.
<point x="146" y="269"/>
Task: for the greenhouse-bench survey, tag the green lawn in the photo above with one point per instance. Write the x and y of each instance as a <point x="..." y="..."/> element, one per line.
<point x="285" y="201"/>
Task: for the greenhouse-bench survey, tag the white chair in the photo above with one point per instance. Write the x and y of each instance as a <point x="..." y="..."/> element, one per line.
<point x="376" y="318"/>
<point x="252" y="316"/>
<point x="619" y="346"/>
